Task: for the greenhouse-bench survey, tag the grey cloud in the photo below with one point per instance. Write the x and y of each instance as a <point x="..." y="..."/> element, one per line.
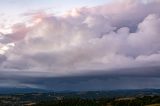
<point x="104" y="39"/>
<point x="87" y="82"/>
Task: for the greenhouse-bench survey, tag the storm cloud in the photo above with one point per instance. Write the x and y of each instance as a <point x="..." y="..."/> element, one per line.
<point x="119" y="39"/>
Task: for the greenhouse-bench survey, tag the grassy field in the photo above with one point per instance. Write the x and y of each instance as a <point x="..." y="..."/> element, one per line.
<point x="154" y="105"/>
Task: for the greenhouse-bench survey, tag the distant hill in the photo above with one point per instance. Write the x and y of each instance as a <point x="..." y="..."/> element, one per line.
<point x="21" y="90"/>
<point x="110" y="94"/>
<point x="85" y="94"/>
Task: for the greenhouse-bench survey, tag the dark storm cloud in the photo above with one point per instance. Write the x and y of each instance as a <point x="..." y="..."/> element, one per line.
<point x="120" y="40"/>
<point x="85" y="82"/>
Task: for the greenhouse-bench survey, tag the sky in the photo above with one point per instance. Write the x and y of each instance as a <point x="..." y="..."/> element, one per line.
<point x="40" y="4"/>
<point x="80" y="45"/>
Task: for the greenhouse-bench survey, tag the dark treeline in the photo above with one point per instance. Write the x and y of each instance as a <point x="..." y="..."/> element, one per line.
<point x="139" y="101"/>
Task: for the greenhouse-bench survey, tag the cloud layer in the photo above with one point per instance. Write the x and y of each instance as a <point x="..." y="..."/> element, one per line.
<point x="101" y="39"/>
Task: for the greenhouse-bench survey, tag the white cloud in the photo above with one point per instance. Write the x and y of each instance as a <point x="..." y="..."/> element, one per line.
<point x="88" y="39"/>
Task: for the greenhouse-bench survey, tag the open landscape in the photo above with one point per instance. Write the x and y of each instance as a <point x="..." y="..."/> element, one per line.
<point x="79" y="52"/>
<point x="144" y="97"/>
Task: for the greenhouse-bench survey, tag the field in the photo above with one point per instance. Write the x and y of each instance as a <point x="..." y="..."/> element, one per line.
<point x="153" y="105"/>
<point x="88" y="98"/>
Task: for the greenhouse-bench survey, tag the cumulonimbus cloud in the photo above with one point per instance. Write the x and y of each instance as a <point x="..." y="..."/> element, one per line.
<point x="85" y="40"/>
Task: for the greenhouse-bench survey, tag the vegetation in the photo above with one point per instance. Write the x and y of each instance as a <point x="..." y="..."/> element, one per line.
<point x="138" y="101"/>
<point x="91" y="98"/>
